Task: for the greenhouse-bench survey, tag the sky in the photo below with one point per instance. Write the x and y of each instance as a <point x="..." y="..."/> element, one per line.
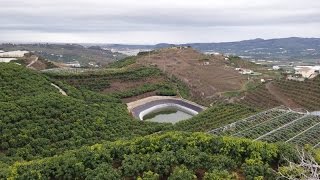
<point x="156" y="21"/>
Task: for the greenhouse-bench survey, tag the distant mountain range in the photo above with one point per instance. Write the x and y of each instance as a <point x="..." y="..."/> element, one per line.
<point x="293" y="48"/>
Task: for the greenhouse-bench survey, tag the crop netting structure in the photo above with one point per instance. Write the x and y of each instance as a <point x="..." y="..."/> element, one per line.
<point x="277" y="124"/>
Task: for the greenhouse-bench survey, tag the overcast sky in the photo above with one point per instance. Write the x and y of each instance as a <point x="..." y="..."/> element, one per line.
<point x="155" y="21"/>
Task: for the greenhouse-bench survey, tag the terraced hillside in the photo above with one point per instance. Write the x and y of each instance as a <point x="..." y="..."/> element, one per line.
<point x="128" y="84"/>
<point x="279" y="124"/>
<point x="260" y="97"/>
<point x="293" y="94"/>
<point x="306" y="94"/>
<point x="205" y="75"/>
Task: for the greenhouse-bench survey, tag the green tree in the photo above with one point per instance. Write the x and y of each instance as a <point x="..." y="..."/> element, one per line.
<point x="182" y="172"/>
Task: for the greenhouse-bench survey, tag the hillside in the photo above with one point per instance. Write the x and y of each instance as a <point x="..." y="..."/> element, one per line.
<point x="67" y="53"/>
<point x="37" y="120"/>
<point x="128" y="84"/>
<point x="88" y="133"/>
<point x="205" y="75"/>
<point x="293" y="94"/>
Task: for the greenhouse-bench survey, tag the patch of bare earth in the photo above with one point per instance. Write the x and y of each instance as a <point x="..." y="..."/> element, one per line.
<point x="118" y="85"/>
<point x="206" y="76"/>
<point x="141" y="96"/>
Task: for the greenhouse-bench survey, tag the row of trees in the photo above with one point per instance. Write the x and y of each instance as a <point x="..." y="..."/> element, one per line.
<point x="305" y="93"/>
<point x="216" y="116"/>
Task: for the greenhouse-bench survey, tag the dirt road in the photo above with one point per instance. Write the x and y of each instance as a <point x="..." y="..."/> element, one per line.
<point x="33" y="61"/>
<point x="281" y="97"/>
<point x="60" y="90"/>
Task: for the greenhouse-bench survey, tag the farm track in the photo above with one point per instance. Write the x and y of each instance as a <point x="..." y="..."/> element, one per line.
<point x="32" y="62"/>
<point x="60" y="90"/>
<point x="281" y="97"/>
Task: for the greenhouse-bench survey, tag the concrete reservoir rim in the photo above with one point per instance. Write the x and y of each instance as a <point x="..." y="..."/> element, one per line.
<point x="165" y="106"/>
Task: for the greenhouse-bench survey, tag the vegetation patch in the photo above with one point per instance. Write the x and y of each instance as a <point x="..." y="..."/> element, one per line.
<point x="172" y="155"/>
<point x="215" y="117"/>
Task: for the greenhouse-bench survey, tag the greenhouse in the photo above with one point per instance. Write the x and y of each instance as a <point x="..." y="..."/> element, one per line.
<point x="277" y="124"/>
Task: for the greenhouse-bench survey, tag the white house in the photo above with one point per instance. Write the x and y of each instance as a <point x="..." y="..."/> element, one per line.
<point x="276" y="67"/>
<point x="73" y="64"/>
<point x="246" y="71"/>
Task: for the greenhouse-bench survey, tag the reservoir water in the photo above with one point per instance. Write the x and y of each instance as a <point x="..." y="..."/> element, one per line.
<point x="167" y="116"/>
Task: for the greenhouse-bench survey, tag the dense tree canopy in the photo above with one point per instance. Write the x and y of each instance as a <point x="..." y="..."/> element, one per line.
<point x="88" y="135"/>
<point x="36" y="120"/>
<point x="171" y="155"/>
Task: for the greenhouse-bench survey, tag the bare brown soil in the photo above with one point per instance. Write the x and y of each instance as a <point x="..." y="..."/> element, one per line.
<point x="141" y="96"/>
<point x="206" y="76"/>
<point x="39" y="65"/>
<point x="118" y="85"/>
<point x="281" y="97"/>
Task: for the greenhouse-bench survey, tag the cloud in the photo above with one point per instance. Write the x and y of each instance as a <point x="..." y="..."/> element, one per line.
<point x="156" y="21"/>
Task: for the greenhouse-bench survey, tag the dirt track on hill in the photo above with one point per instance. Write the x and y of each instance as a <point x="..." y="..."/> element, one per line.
<point x="281" y="97"/>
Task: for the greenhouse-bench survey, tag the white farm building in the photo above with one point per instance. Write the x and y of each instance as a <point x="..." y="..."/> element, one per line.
<point x="307" y="71"/>
<point x="13" y="54"/>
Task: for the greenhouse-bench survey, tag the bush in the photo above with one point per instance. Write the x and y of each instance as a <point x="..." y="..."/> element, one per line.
<point x="149" y="176"/>
<point x="254" y="169"/>
<point x="219" y="175"/>
<point x="182" y="172"/>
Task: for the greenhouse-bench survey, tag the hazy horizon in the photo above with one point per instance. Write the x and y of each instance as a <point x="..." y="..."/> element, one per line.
<point x="84" y="43"/>
<point x="153" y="22"/>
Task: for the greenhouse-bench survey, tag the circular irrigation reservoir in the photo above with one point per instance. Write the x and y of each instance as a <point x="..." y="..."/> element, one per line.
<point x="164" y="109"/>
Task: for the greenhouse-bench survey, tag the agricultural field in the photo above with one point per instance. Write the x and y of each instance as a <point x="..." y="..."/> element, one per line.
<point x="89" y="133"/>
<point x="174" y="155"/>
<point x="122" y="83"/>
<point x="38" y="121"/>
<point x="214" y="117"/>
<point x="123" y="79"/>
<point x="279" y="124"/>
<point x="205" y="75"/>
<point x="306" y="94"/>
<point x="293" y="94"/>
<point x="259" y="97"/>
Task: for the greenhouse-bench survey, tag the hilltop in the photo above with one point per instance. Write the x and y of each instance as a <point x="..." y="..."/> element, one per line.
<point x="205" y="75"/>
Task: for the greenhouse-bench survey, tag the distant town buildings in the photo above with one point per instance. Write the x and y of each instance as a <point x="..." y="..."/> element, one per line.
<point x="294" y="78"/>
<point x="75" y="64"/>
<point x="246" y="71"/>
<point x="276" y="67"/>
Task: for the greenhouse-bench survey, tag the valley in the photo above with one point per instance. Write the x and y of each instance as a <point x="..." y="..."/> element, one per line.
<point x="89" y="122"/>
